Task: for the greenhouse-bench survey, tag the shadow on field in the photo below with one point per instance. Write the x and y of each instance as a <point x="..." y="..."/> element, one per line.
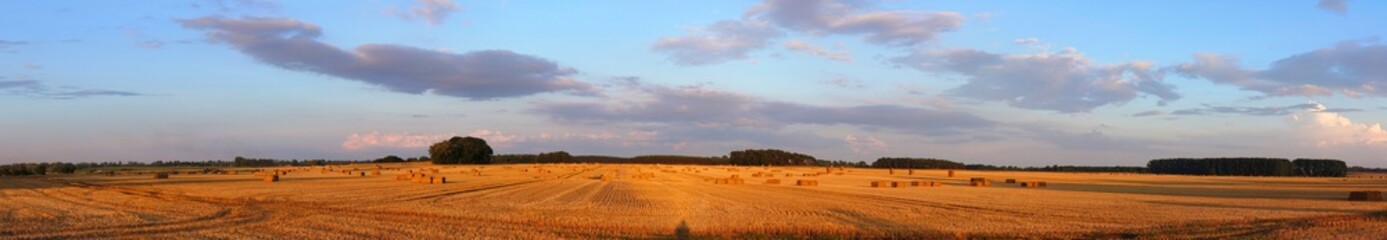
<point x="1199" y="192"/>
<point x="1327" y="182"/>
<point x="1252" y="207"/>
<point x="1243" y="229"/>
<point x="27" y="182"/>
<point x="175" y="180"/>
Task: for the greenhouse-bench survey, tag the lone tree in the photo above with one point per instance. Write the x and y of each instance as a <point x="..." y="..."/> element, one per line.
<point x="460" y="150"/>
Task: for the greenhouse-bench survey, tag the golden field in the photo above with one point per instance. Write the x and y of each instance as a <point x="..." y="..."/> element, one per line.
<point x="651" y="201"/>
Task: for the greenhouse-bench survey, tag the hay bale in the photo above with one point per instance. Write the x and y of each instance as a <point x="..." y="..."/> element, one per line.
<point x="773" y="181"/>
<point x="806" y="183"/>
<point x="1365" y="196"/>
<point x="272" y="178"/>
<point x="375" y="173"/>
<point x="1011" y="180"/>
<point x="917" y="184"/>
<point x="161" y="175"/>
<point x="979" y="182"/>
<point x="896" y="184"/>
<point x="877" y="184"/>
<point x="951" y="173"/>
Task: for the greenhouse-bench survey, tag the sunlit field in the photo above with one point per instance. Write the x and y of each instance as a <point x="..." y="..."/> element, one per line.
<point x="545" y="201"/>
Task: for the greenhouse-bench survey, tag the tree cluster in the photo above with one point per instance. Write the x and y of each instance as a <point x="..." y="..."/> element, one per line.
<point x="461" y="150"/>
<point x="769" y="157"/>
<point x="389" y="159"/>
<point x="918" y="163"/>
<point x="1248" y="167"/>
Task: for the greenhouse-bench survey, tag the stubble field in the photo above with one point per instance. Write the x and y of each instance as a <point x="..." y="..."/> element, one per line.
<point x="666" y="201"/>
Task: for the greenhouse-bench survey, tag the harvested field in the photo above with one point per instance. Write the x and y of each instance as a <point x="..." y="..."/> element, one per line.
<point x="609" y="201"/>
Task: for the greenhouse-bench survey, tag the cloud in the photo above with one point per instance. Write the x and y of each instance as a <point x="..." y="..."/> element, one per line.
<point x="1257" y="111"/>
<point x="723" y="41"/>
<point x="1350" y="68"/>
<point x="478" y="75"/>
<point x="865" y="144"/>
<point x="358" y="142"/>
<point x="730" y="40"/>
<point x="1063" y="82"/>
<point x="1149" y="113"/>
<point x="822" y="17"/>
<point x="844" y="83"/>
<point x="236" y="5"/>
<point x="435" y="12"/>
<point x="807" y="48"/>
<point x="498" y="138"/>
<point x="701" y="106"/>
<point x="36" y="89"/>
<point x="7" y="43"/>
<point x="1026" y="41"/>
<point x="1093" y="140"/>
<point x="1325" y="129"/>
<point x="1335" y="6"/>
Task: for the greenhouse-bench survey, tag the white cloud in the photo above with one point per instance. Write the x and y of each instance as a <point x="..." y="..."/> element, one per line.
<point x="1026" y="41"/>
<point x="1325" y="129"/>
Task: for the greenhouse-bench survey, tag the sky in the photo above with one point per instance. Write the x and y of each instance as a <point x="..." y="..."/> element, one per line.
<point x="1028" y="83"/>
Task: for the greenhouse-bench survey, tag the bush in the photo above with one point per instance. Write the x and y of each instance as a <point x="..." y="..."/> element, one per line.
<point x="390" y="159"/>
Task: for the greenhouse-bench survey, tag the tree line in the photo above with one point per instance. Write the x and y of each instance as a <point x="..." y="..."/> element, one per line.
<point x="917" y="163"/>
<point x="1249" y="167"/>
<point x="774" y="157"/>
<point x="26" y="169"/>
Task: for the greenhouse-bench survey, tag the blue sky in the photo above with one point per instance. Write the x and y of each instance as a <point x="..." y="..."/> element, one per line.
<point x="1017" y="83"/>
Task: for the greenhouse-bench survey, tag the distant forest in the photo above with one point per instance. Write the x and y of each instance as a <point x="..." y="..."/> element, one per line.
<point x="1250" y="167"/>
<point x="771" y="157"/>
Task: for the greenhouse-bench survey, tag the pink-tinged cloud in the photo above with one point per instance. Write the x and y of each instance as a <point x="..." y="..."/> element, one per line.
<point x="358" y="142"/>
<point x="865" y="144"/>
<point x="811" y="49"/>
<point x="435" y="12"/>
<point x="495" y="138"/>
<point x="498" y="138"/>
